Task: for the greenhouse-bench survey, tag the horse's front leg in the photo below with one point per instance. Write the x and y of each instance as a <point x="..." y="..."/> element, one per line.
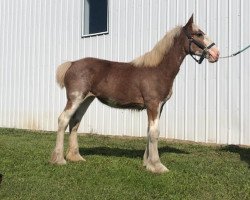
<point x="151" y="155"/>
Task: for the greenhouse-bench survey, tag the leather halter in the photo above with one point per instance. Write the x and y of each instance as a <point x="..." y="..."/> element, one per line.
<point x="200" y="45"/>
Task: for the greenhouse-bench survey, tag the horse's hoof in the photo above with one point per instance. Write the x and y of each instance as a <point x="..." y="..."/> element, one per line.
<point x="57" y="159"/>
<point x="58" y="162"/>
<point x="74" y="157"/>
<point x="157" y="168"/>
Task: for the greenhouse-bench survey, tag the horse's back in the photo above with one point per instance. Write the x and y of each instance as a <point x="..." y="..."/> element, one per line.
<point x="107" y="80"/>
<point x="94" y="71"/>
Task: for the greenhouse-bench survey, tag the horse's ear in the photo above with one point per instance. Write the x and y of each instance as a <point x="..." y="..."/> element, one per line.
<point x="190" y="21"/>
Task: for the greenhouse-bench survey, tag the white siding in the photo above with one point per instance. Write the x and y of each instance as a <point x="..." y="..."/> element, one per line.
<point x="211" y="102"/>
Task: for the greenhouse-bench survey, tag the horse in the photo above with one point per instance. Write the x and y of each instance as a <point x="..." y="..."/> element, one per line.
<point x="144" y="83"/>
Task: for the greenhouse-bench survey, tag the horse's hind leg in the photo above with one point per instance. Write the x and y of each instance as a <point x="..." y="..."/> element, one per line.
<point x="73" y="151"/>
<point x="72" y="105"/>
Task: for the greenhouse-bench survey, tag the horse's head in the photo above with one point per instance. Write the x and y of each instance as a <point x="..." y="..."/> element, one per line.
<point x="199" y="44"/>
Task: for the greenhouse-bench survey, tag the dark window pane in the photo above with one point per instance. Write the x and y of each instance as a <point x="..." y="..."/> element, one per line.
<point x="95" y="16"/>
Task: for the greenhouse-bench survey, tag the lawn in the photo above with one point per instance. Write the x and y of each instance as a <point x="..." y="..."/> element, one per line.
<point x="113" y="169"/>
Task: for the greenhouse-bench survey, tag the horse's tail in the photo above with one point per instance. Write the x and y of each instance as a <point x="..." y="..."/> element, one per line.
<point x="60" y="73"/>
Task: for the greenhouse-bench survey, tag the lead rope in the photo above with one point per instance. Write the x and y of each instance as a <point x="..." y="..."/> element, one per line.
<point x="234" y="54"/>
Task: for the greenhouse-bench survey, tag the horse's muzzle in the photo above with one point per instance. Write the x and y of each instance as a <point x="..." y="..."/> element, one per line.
<point x="213" y="55"/>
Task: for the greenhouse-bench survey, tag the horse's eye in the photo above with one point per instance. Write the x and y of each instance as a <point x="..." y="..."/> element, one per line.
<point x="199" y="34"/>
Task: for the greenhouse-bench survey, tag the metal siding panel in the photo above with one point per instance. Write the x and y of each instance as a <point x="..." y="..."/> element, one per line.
<point x="2" y="22"/>
<point x="245" y="74"/>
<point x="32" y="67"/>
<point x="122" y="30"/>
<point x="153" y="23"/>
<point x="9" y="64"/>
<point x="211" y="76"/>
<point x="234" y="68"/>
<point x="129" y="31"/>
<point x="145" y="27"/>
<point x="4" y="67"/>
<point x="14" y="96"/>
<point x="210" y="102"/>
<point x="223" y="75"/>
<point x="53" y="58"/>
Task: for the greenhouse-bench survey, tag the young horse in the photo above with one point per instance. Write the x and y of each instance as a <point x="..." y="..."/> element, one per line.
<point x="144" y="83"/>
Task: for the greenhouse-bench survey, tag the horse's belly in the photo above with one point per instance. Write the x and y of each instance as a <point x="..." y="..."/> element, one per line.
<point x="122" y="104"/>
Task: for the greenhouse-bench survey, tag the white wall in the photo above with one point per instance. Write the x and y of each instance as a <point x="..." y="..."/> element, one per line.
<point x="211" y="102"/>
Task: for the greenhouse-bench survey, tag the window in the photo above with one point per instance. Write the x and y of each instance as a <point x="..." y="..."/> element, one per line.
<point x="95" y="17"/>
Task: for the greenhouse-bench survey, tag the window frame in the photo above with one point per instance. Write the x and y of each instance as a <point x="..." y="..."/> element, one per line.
<point x="93" y="34"/>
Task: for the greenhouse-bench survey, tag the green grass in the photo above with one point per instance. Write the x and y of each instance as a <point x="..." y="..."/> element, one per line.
<point x="114" y="169"/>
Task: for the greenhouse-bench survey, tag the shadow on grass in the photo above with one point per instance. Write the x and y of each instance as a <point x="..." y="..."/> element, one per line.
<point x="243" y="152"/>
<point x="129" y="153"/>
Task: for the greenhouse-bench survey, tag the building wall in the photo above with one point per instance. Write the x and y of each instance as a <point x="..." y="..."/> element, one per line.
<point x="210" y="103"/>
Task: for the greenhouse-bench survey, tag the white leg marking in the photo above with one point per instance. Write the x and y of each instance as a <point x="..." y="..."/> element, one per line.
<point x="153" y="162"/>
<point x="73" y="151"/>
<point x="63" y="121"/>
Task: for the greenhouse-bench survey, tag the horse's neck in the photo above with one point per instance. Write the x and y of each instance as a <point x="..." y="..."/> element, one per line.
<point x="174" y="58"/>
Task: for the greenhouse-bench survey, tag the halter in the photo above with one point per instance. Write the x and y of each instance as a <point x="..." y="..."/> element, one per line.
<point x="203" y="47"/>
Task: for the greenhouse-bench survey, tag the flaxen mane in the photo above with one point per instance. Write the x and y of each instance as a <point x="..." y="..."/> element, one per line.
<point x="155" y="56"/>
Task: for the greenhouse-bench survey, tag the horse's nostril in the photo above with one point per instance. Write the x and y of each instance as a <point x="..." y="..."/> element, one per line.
<point x="217" y="55"/>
